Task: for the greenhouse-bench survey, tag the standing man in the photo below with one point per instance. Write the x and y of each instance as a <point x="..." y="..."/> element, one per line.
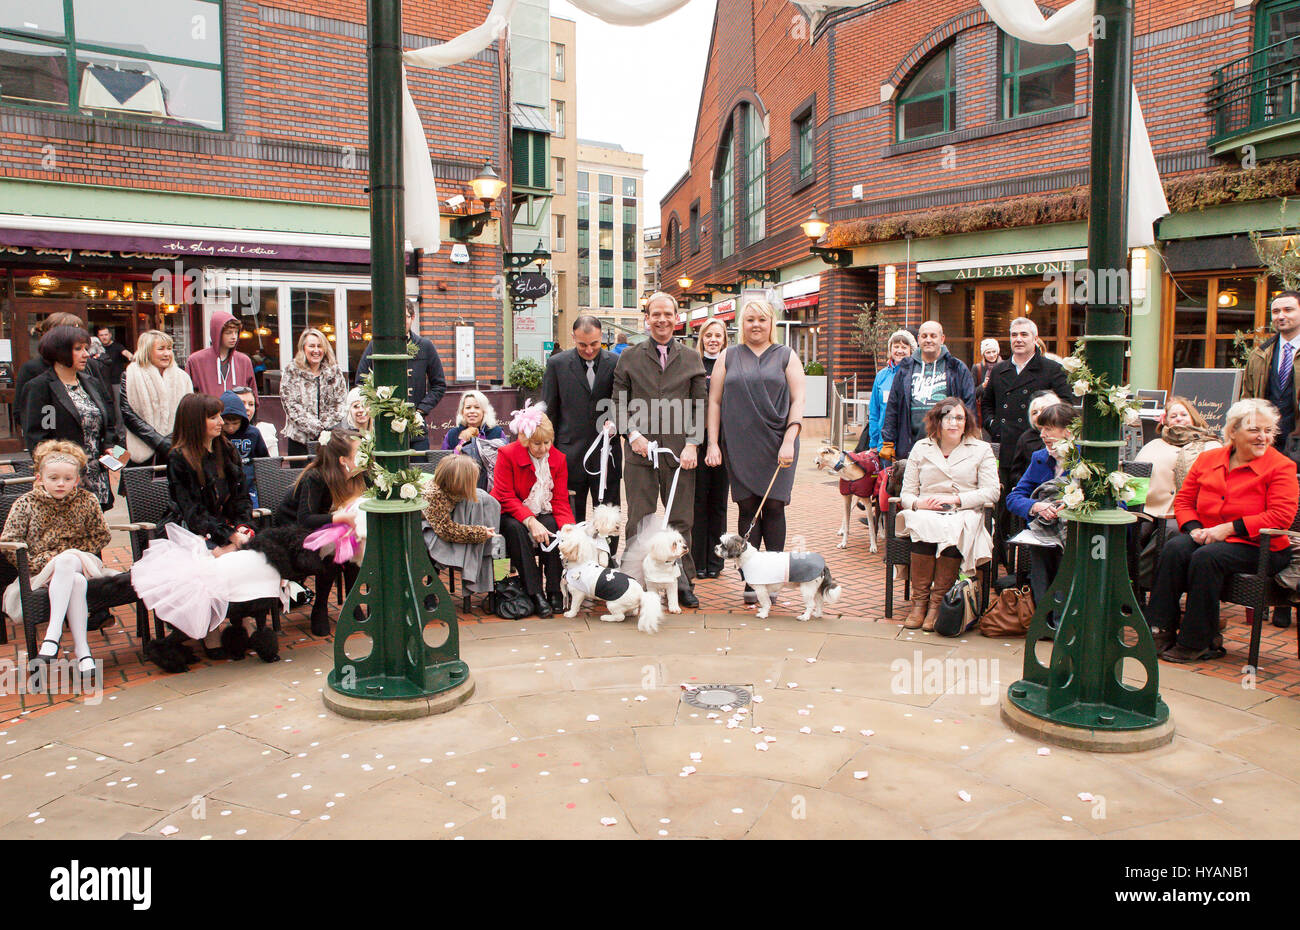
<point x="1270" y="370"/>
<point x="112" y="365"/>
<point x="221" y="367"/>
<point x="924" y="378"/>
<point x="425" y="383"/>
<point x="1004" y="406"/>
<point x="659" y="396"/>
<point x="577" y="387"/>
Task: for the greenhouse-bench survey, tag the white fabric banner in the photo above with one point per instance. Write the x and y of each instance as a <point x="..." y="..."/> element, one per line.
<point x="1072" y="25"/>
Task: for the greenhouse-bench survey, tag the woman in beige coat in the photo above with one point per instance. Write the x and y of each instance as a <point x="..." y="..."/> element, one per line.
<point x="951" y="476"/>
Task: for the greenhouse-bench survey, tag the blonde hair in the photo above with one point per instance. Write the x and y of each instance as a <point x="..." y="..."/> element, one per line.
<point x="1250" y="408"/>
<point x="300" y="359"/>
<point x="1197" y="418"/>
<point x="457" y="477"/>
<point x="489" y="413"/>
<point x="712" y="321"/>
<point x="148" y="341"/>
<point x="545" y="432"/>
<point x="57" y="448"/>
<point x="764" y="307"/>
<point x="354" y="395"/>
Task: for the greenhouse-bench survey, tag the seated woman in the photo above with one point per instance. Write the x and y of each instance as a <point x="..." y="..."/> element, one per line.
<point x="1044" y="465"/>
<point x="951" y="475"/>
<point x="1030" y="440"/>
<point x="475" y="418"/>
<point x="531" y="481"/>
<point x="1230" y="494"/>
<point x="325" y="493"/>
<point x="358" y="414"/>
<point x="451" y="501"/>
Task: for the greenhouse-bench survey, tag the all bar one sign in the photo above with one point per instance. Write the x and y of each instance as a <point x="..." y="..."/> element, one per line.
<point x="1029" y="270"/>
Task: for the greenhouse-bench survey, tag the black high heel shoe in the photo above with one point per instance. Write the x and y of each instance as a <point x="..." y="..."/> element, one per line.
<point x="542" y="606"/>
<point x="214" y="653"/>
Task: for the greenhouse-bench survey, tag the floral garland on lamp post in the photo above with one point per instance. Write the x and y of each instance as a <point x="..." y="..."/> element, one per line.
<point x="404" y="419"/>
<point x="1090" y="485"/>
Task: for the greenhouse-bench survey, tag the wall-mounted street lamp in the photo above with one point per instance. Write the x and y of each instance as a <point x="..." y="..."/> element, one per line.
<point x="487" y="188"/>
<point x="684" y="282"/>
<point x="814" y="228"/>
<point x="730" y="290"/>
<point x="891" y="285"/>
<point x="761" y="275"/>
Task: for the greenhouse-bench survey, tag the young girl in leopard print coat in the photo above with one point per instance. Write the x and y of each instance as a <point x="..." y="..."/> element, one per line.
<point x="63" y="528"/>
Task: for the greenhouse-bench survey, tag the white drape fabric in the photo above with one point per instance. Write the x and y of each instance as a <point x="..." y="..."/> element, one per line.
<point x="1071" y="25"/>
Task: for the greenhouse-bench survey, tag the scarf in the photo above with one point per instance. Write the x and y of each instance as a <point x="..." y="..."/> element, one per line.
<point x="154" y="396"/>
<point x="1182" y="435"/>
<point x="539" y="498"/>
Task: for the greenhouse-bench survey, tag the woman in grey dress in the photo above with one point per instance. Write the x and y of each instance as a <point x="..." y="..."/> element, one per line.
<point x="756" y="399"/>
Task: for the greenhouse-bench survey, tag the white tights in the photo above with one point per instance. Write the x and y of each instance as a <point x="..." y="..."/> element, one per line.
<point x="67" y="590"/>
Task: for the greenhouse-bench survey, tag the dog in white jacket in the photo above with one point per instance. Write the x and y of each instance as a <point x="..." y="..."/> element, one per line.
<point x="585" y="577"/>
<point x="768" y="572"/>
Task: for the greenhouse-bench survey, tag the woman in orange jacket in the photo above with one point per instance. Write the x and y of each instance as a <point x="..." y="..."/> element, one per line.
<point x="1228" y="497"/>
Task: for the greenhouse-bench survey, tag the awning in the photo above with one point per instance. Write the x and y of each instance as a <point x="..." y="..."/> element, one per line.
<point x="808" y="300"/>
<point x="66" y="235"/>
<point x="526" y="116"/>
<point x="1016" y="265"/>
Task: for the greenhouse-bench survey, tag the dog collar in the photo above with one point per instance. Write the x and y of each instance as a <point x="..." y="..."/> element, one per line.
<point x="839" y="463"/>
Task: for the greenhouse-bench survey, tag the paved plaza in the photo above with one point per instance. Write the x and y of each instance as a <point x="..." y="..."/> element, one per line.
<point x="579" y="728"/>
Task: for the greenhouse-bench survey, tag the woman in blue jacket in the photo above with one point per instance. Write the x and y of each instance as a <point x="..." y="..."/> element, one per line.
<point x="901" y="345"/>
<point x="1044" y="465"/>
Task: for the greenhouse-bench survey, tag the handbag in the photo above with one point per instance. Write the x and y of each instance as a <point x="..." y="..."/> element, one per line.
<point x="958" y="611"/>
<point x="1009" y="614"/>
<point x="509" y="599"/>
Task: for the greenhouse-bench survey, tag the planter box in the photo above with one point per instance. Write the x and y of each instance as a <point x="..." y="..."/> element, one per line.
<point x="816" y="388"/>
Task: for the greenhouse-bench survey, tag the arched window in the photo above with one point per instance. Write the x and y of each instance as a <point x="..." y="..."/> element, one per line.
<point x="674" y="241"/>
<point x="726" y="197"/>
<point x="927" y="104"/>
<point x="756" y="171"/>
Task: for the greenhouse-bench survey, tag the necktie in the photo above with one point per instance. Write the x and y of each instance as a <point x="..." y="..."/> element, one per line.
<point x="663" y="357"/>
<point x="1284" y="369"/>
<point x="591" y="376"/>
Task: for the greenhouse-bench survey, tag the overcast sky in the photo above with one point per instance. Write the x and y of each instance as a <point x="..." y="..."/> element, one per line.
<point x="639" y="87"/>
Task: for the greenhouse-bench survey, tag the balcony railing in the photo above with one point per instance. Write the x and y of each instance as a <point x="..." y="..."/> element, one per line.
<point x="1256" y="91"/>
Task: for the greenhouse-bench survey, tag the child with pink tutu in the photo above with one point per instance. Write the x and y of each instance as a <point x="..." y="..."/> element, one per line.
<point x="63" y="527"/>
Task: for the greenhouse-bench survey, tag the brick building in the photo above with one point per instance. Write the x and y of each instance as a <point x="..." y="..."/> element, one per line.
<point x="951" y="162"/>
<point x="220" y="149"/>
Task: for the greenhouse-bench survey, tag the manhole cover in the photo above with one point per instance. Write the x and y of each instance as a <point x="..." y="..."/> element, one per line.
<point x="710" y="697"/>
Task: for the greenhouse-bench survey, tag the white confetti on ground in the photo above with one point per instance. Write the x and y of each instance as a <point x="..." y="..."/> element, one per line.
<point x="837" y="729"/>
<point x="758" y="699"/>
<point x="1085" y="796"/>
<point x="860" y="775"/>
<point x="792" y="684"/>
<point x="640" y="697"/>
<point x="1067" y="818"/>
<point x="686" y="770"/>
<point x="965" y="796"/>
<point x="592" y="718"/>
<point x="1044" y="751"/>
<point x="1217" y="800"/>
<point x="608" y="821"/>
<point x="761" y="747"/>
<point x="803" y="713"/>
<point x="805" y="729"/>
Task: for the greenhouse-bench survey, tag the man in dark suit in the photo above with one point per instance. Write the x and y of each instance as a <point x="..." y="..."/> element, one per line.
<point x="659" y="396"/>
<point x="576" y="388"/>
<point x="425" y="383"/>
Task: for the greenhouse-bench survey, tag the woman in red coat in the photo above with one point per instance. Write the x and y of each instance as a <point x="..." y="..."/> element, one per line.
<point x="1230" y="494"/>
<point x="531" y="480"/>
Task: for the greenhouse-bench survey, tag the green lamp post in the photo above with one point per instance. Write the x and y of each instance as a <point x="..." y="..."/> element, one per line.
<point x="398" y="620"/>
<point x="1080" y="698"/>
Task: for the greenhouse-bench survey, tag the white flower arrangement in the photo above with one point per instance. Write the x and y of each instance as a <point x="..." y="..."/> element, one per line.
<point x="399" y="426"/>
<point x="409" y="492"/>
<point x="384" y="392"/>
<point x="1118" y="480"/>
<point x="1081" y="388"/>
<point x="1071" y="364"/>
<point x="1073" y="496"/>
<point x="1081" y="472"/>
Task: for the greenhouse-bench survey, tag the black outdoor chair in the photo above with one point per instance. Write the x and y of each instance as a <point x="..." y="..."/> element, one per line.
<point x="101" y="593"/>
<point x="1259" y="592"/>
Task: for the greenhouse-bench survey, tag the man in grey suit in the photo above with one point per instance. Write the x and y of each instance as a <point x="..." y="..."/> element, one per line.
<point x="659" y="394"/>
<point x="576" y="388"/>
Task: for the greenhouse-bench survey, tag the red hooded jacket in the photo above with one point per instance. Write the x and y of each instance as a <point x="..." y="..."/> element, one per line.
<point x="213" y="376"/>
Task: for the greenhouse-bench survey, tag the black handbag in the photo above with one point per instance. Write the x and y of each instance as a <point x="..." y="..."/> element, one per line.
<point x="959" y="611"/>
<point x="509" y="599"/>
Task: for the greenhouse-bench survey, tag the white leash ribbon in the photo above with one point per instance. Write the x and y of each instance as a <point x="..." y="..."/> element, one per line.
<point x="652" y="452"/>
<point x="606" y="455"/>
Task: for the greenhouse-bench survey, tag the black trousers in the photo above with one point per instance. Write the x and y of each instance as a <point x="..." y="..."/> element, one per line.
<point x="296" y="448"/>
<point x="584" y="486"/>
<point x="1001" y="518"/>
<point x="325" y="583"/>
<point x="711" y="486"/>
<point x="1044" y="563"/>
<point x="1199" y="571"/>
<point x="524" y="554"/>
<point x="769" y="528"/>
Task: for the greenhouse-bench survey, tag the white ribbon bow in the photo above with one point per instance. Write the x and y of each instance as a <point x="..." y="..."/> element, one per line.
<point x="652" y="452"/>
<point x="603" y="441"/>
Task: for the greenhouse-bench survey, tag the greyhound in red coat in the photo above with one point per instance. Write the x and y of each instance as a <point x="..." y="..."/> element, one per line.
<point x="861" y="476"/>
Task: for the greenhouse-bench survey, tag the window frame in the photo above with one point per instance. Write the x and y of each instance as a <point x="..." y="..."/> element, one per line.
<point x="71" y="46"/>
<point x="726" y="198"/>
<point x="1010" y="74"/>
<point x="557" y="61"/>
<point x="755" y="177"/>
<point x="948" y="92"/>
<point x="693" y="225"/>
<point x="806" y="112"/>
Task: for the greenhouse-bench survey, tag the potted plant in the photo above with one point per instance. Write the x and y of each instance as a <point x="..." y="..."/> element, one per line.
<point x="815" y="389"/>
<point x="525" y="376"/>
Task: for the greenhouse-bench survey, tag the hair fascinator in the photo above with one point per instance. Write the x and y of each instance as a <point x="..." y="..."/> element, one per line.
<point x="325" y="436"/>
<point x="523" y="422"/>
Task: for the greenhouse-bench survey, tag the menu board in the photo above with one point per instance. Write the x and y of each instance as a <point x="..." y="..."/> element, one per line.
<point x="1211" y="390"/>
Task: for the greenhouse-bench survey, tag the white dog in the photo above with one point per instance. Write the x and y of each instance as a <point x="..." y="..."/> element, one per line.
<point x="768" y="572"/>
<point x="660" y="567"/>
<point x="584" y="577"/>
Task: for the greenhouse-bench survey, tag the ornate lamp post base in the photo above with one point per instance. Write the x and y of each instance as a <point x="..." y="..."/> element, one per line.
<point x="396" y="606"/>
<point x="1081" y="700"/>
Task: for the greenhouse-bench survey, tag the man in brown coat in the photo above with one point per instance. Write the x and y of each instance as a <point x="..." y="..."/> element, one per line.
<point x="1270" y="369"/>
<point x="659" y="396"/>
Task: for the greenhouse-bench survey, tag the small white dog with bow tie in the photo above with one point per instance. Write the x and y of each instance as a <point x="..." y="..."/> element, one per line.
<point x="661" y="568"/>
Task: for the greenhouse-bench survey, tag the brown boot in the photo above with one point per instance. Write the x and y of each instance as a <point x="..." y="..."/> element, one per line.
<point x="946" y="568"/>
<point x="922" y="570"/>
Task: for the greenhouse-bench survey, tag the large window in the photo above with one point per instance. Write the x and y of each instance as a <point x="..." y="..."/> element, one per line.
<point x="558" y="52"/>
<point x="529" y="159"/>
<point x="157" y="60"/>
<point x="928" y="104"/>
<point x="756" y="167"/>
<point x="1035" y="77"/>
<point x="726" y="201"/>
<point x="804" y="135"/>
<point x="1204" y="314"/>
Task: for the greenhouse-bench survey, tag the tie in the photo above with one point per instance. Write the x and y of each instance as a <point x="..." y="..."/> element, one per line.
<point x="663" y="357"/>
<point x="1284" y="369"/>
<point x="591" y="376"/>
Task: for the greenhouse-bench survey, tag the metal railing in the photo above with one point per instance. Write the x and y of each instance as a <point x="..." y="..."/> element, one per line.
<point x="841" y="391"/>
<point x="1257" y="90"/>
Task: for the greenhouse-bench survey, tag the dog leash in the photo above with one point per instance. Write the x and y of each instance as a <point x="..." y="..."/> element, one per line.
<point x="759" y="511"/>
<point x="606" y="456"/>
<point x="652" y="452"/>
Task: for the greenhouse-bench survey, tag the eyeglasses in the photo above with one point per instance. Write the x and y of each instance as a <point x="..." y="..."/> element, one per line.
<point x="955" y="416"/>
